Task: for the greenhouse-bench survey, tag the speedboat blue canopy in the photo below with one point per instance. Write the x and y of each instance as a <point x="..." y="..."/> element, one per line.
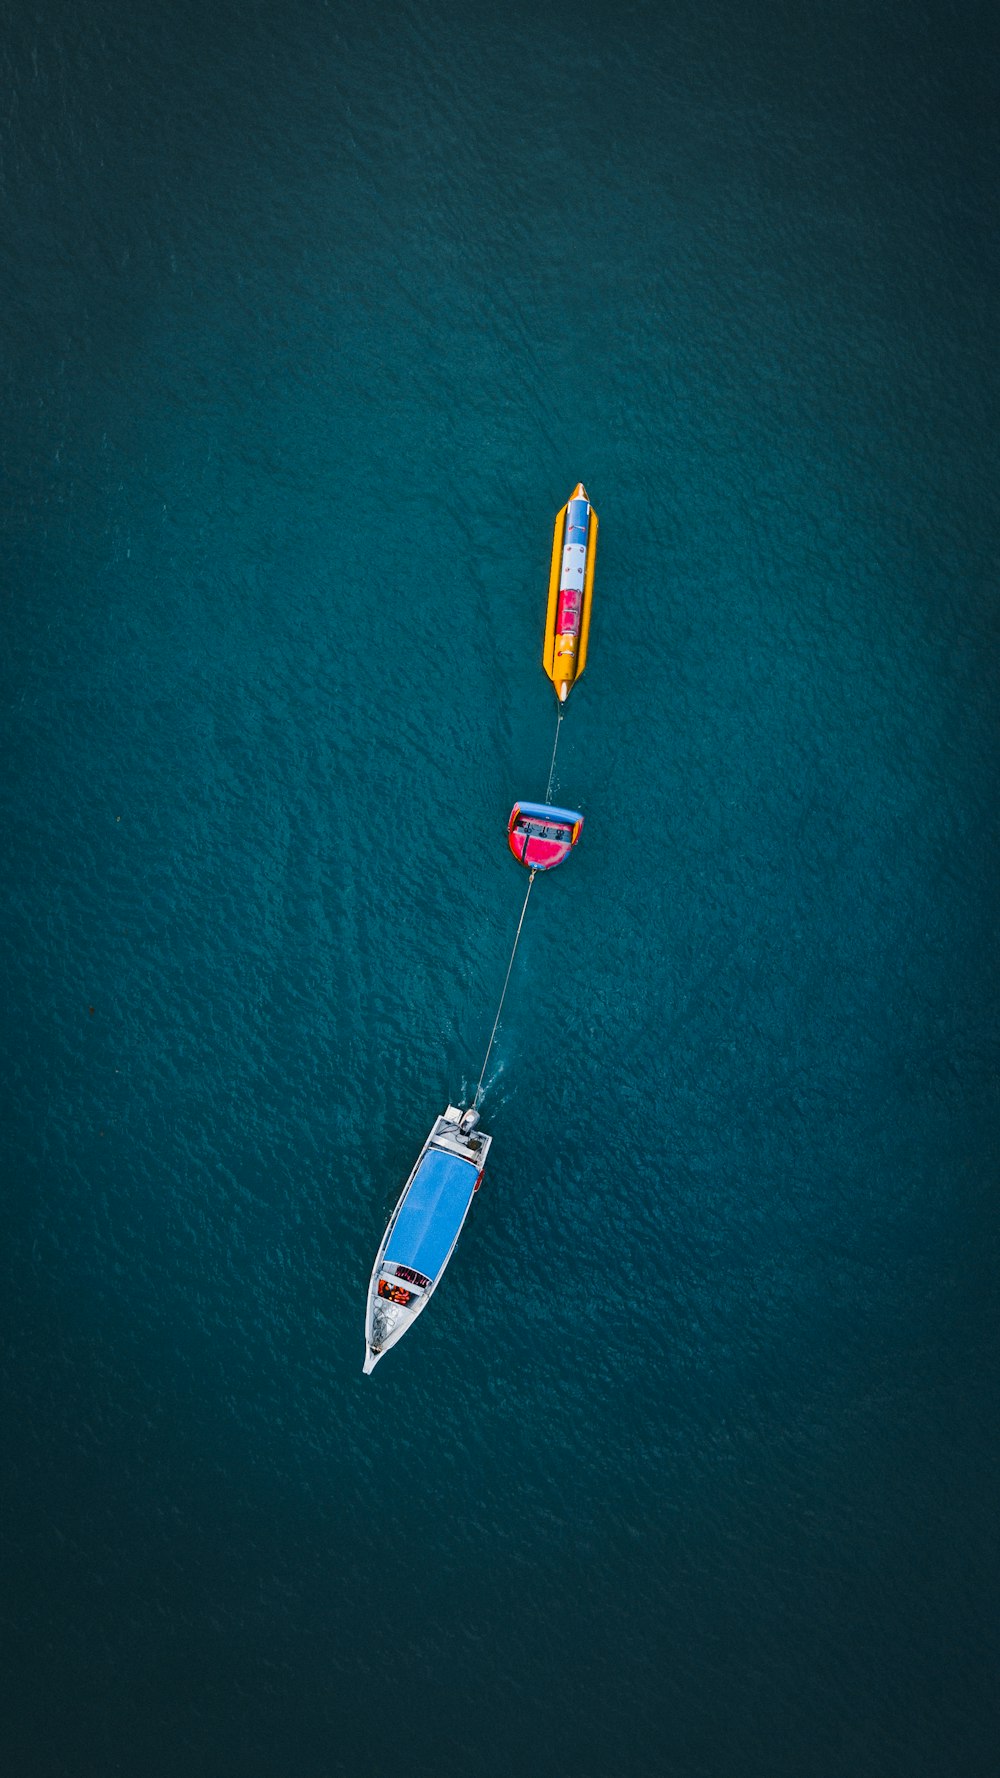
<point x="432" y="1212"/>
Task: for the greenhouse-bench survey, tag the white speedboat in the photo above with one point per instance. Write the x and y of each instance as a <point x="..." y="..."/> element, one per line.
<point x="423" y="1229"/>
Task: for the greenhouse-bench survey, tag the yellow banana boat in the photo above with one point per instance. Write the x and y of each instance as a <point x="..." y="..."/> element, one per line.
<point x="571" y="589"/>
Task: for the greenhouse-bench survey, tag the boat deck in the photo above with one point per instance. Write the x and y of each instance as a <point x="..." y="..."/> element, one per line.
<point x="433" y="1211"/>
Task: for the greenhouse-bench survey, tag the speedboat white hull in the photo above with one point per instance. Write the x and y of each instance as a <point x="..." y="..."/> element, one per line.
<point x="423" y="1229"/>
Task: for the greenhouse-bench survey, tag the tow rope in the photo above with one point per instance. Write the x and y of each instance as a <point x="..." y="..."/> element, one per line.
<point x="496" y="1021"/>
<point x="555" y="744"/>
<point x="520" y="923"/>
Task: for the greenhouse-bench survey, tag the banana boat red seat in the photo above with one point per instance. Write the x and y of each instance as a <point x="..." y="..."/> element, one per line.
<point x="541" y="836"/>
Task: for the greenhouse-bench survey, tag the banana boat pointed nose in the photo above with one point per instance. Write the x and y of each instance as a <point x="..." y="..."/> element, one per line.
<point x="579" y="492"/>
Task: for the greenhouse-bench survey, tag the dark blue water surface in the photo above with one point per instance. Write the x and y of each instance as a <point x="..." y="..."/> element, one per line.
<point x="313" y="314"/>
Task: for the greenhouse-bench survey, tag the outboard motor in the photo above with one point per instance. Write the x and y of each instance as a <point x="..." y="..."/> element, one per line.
<point x="468" y="1122"/>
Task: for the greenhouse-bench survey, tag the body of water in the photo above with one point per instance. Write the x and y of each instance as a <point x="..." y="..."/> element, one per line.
<point x="314" y="314"/>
